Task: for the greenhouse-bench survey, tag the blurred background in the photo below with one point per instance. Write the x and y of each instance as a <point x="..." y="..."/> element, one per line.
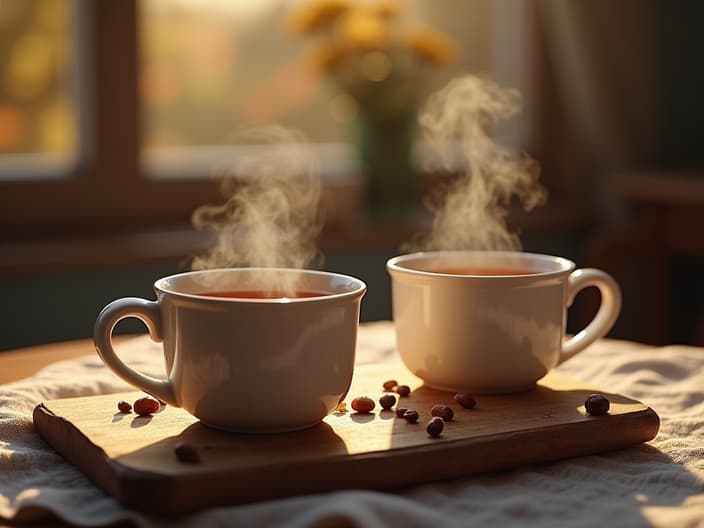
<point x="117" y="120"/>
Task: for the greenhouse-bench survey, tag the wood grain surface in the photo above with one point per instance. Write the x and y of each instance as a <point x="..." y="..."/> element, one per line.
<point x="132" y="457"/>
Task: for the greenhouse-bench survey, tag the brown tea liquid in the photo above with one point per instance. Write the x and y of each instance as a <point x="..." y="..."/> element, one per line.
<point x="260" y="294"/>
<point x="484" y="271"/>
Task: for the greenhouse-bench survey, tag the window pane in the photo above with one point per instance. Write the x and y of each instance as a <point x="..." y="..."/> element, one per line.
<point x="211" y="66"/>
<point x="38" y="123"/>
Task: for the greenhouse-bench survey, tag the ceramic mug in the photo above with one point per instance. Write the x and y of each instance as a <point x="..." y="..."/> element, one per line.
<point x="240" y="358"/>
<point x="491" y="321"/>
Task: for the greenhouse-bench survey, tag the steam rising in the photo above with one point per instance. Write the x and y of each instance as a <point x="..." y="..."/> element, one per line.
<point x="471" y="213"/>
<point x="270" y="216"/>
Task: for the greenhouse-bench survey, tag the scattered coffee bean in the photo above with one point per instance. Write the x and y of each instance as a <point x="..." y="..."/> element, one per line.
<point x="387" y="401"/>
<point x="123" y="406"/>
<point x="435" y="426"/>
<point x="403" y="390"/>
<point x="145" y="406"/>
<point x="390" y="384"/>
<point x="443" y="411"/>
<point x="465" y="400"/>
<point x="400" y="411"/>
<point x="363" y="404"/>
<point x="411" y="416"/>
<point x="597" y="404"/>
<point x="186" y="452"/>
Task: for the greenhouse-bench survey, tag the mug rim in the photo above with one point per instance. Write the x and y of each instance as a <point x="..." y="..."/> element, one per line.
<point x="161" y="286"/>
<point x="395" y="264"/>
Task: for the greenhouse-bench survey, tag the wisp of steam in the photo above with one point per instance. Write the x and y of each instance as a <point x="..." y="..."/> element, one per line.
<point x="458" y="121"/>
<point x="270" y="217"/>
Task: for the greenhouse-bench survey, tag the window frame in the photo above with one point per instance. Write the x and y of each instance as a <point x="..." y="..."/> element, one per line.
<point x="107" y="189"/>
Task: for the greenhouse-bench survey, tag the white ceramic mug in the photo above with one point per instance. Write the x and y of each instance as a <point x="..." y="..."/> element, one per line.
<point x="491" y="321"/>
<point x="245" y="364"/>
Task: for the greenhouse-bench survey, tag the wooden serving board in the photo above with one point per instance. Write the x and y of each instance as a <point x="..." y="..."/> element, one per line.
<point x="131" y="457"/>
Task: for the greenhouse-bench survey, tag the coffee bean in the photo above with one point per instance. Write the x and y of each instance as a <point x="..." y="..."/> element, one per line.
<point x="403" y="390"/>
<point x="145" y="406"/>
<point x="435" y="426"/>
<point x="597" y="404"/>
<point x="363" y="404"/>
<point x="123" y="406"/>
<point x="465" y="400"/>
<point x="411" y="416"/>
<point x="390" y="384"/>
<point x="400" y="411"/>
<point x="443" y="411"/>
<point x="186" y="452"/>
<point x="387" y="401"/>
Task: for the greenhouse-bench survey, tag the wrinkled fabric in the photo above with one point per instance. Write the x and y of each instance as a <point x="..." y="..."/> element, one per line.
<point x="660" y="483"/>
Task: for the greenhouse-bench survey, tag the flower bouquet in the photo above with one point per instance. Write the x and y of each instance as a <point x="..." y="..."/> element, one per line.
<point x="382" y="62"/>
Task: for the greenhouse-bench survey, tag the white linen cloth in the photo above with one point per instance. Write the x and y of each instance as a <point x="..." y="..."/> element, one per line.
<point x="656" y="484"/>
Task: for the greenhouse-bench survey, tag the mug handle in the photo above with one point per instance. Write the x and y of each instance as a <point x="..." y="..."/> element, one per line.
<point x="149" y="313"/>
<point x="604" y="318"/>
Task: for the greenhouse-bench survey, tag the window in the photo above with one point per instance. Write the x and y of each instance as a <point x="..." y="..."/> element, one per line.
<point x="206" y="72"/>
<point x="144" y="95"/>
<point x="39" y="89"/>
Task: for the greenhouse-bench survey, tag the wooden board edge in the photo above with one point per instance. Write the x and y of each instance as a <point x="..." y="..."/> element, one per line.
<point x="90" y="459"/>
<point x="166" y="496"/>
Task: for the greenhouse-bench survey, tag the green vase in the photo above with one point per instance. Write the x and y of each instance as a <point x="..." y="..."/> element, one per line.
<point x="392" y="186"/>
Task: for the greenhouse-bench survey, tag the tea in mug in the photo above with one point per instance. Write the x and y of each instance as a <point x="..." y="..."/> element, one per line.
<point x="484" y="271"/>
<point x="262" y="294"/>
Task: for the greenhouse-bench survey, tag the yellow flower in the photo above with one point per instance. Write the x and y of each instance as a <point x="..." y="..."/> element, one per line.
<point x="386" y="8"/>
<point x="431" y="45"/>
<point x="318" y="15"/>
<point x="366" y="41"/>
<point x="364" y="30"/>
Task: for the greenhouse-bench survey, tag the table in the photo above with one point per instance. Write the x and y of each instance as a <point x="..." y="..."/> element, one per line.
<point x="24" y="362"/>
<point x="656" y="484"/>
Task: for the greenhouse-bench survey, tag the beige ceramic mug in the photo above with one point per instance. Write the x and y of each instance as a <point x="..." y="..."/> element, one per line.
<point x="491" y="322"/>
<point x="241" y="358"/>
